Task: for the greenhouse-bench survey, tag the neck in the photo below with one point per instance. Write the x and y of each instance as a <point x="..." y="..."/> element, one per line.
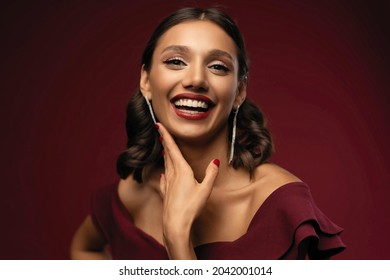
<point x="199" y="156"/>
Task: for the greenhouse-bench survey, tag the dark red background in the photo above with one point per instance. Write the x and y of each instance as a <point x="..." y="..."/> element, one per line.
<point x="318" y="70"/>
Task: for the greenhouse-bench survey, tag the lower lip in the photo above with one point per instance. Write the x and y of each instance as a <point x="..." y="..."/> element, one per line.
<point x="192" y="116"/>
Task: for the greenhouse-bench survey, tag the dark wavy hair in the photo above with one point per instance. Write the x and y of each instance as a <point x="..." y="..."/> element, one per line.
<point x="253" y="144"/>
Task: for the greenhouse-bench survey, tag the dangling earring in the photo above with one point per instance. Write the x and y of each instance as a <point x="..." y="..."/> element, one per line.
<point x="233" y="135"/>
<point x="150" y="109"/>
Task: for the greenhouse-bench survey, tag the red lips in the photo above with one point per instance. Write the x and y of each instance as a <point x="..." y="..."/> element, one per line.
<point x="192" y="112"/>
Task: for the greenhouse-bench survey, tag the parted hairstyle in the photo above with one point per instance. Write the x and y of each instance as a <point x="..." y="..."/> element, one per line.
<point x="253" y="144"/>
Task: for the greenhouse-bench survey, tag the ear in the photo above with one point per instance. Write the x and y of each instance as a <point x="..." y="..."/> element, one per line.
<point x="144" y="83"/>
<point x="241" y="94"/>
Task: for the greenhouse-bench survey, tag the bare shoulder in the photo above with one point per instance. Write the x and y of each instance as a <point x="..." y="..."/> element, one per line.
<point x="130" y="193"/>
<point x="134" y="195"/>
<point x="268" y="177"/>
<point x="274" y="174"/>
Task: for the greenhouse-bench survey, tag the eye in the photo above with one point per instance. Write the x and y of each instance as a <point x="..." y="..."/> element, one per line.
<point x="175" y="63"/>
<point x="219" y="68"/>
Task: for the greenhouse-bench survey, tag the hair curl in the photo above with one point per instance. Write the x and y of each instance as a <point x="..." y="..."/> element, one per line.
<point x="253" y="141"/>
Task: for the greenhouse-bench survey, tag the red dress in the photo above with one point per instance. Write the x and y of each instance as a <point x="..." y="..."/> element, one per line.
<point x="288" y="225"/>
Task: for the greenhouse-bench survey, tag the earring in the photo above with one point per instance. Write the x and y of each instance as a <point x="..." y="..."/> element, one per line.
<point x="233" y="135"/>
<point x="150" y="109"/>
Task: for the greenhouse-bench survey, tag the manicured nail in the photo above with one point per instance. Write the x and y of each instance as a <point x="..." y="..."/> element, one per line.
<point x="156" y="126"/>
<point x="216" y="162"/>
<point x="163" y="153"/>
<point x="161" y="139"/>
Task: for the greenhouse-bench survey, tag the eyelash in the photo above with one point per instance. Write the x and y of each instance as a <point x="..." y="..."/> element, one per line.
<point x="178" y="62"/>
<point x="175" y="61"/>
<point x="220" y="67"/>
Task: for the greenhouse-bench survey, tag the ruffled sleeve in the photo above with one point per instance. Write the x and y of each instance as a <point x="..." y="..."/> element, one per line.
<point x="305" y="232"/>
<point x="288" y="225"/>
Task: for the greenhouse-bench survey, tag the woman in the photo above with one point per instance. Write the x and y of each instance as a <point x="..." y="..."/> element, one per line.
<point x="195" y="181"/>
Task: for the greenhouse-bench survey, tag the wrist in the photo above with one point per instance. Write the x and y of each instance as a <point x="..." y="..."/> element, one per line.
<point x="178" y="243"/>
<point x="175" y="233"/>
<point x="179" y="248"/>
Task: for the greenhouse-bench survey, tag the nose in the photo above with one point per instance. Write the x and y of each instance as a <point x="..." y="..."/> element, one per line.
<point x="195" y="78"/>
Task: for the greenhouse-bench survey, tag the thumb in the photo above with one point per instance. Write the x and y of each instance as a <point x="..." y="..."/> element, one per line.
<point x="211" y="173"/>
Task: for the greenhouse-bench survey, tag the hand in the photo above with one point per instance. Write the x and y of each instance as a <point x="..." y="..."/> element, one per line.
<point x="183" y="196"/>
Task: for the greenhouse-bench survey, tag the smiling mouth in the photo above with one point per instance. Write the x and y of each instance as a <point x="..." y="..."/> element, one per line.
<point x="191" y="106"/>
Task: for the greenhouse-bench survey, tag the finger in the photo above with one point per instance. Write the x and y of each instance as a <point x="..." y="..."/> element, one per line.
<point x="168" y="164"/>
<point x="211" y="173"/>
<point x="169" y="144"/>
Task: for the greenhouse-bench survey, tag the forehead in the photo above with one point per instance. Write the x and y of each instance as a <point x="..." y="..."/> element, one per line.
<point x="197" y="35"/>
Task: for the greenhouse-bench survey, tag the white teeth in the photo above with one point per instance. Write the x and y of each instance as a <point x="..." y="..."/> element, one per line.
<point x="191" y="103"/>
<point x="190" y="112"/>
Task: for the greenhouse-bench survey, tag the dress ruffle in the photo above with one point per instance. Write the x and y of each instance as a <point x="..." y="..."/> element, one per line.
<point x="288" y="225"/>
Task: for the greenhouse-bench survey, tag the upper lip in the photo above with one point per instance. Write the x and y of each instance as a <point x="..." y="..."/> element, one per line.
<point x="193" y="96"/>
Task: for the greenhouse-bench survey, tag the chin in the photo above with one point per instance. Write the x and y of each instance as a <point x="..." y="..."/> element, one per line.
<point x="189" y="135"/>
<point x="197" y="135"/>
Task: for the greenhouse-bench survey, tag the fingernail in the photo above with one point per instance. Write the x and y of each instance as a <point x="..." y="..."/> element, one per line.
<point x="216" y="162"/>
<point x="156" y="126"/>
<point x="161" y="139"/>
<point x="163" y="153"/>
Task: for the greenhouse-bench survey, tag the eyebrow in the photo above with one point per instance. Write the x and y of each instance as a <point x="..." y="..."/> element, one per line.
<point x="177" y="48"/>
<point x="184" y="49"/>
<point x="217" y="52"/>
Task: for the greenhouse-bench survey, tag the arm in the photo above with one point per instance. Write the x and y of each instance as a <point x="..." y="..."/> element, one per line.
<point x="183" y="198"/>
<point x="88" y="243"/>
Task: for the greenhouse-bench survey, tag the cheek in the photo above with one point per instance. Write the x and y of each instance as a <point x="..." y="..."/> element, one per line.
<point x="161" y="83"/>
<point x="226" y="90"/>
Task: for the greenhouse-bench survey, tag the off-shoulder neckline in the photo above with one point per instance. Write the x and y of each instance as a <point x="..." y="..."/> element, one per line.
<point x="255" y="217"/>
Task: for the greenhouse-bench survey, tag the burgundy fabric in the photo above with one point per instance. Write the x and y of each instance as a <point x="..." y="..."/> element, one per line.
<point x="288" y="225"/>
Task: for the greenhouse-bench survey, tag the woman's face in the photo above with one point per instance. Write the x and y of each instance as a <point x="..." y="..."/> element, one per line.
<point x="193" y="81"/>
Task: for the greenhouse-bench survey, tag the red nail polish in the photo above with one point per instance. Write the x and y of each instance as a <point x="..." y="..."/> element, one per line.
<point x="163" y="153"/>
<point x="156" y="126"/>
<point x="216" y="162"/>
<point x="161" y="139"/>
